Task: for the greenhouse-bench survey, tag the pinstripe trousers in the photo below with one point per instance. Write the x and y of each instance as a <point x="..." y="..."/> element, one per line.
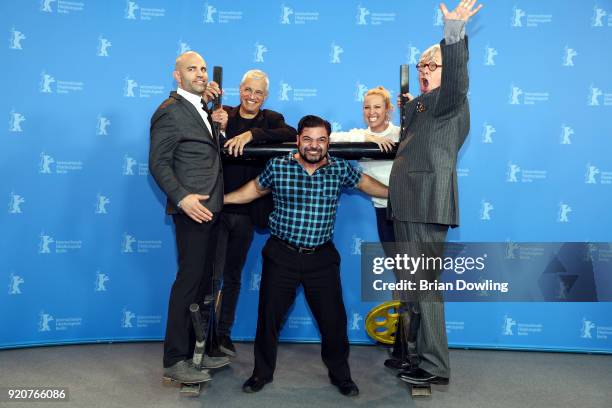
<point x="431" y="340"/>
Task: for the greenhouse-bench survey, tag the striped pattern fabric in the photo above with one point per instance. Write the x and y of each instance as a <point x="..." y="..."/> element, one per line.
<point x="305" y="205"/>
<point x="432" y="342"/>
<point x="423" y="182"/>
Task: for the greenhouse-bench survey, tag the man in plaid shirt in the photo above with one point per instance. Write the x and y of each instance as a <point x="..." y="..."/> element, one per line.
<point x="305" y="186"/>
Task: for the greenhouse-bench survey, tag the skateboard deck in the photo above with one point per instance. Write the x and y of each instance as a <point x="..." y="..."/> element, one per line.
<point x="187" y="389"/>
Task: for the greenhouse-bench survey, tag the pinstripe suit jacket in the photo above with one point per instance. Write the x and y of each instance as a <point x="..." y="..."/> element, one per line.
<point x="423" y="182"/>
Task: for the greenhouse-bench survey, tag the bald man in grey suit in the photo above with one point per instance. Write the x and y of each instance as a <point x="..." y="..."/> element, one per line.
<point x="423" y="191"/>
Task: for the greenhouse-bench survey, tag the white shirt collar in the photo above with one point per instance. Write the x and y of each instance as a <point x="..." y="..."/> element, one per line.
<point x="194" y="99"/>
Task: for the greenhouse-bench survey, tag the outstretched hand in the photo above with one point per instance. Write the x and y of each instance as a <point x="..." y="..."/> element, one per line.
<point x="464" y="10"/>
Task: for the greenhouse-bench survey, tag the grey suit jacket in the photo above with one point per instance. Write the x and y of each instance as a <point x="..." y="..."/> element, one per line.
<point x="183" y="157"/>
<point x="423" y="182"/>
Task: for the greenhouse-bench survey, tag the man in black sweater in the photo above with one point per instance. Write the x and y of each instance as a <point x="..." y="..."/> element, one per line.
<point x="245" y="123"/>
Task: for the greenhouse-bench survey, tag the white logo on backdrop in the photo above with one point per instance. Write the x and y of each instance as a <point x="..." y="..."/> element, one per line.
<point x="485" y="210"/>
<point x="16" y="38"/>
<point x="15" y="201"/>
<point x="15" y="121"/>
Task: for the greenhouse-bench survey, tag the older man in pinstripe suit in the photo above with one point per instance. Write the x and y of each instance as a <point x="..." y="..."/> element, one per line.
<point x="423" y="190"/>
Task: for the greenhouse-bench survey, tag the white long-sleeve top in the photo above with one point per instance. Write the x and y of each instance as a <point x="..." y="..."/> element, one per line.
<point x="378" y="169"/>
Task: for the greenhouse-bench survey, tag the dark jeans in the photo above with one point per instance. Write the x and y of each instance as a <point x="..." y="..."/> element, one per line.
<point x="319" y="273"/>
<point x="196" y="250"/>
<point x="235" y="237"/>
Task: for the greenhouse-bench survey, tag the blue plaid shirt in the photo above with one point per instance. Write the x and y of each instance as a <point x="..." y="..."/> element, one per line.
<point x="305" y="205"/>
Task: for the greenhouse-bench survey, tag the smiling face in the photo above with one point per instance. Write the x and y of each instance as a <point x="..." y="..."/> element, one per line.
<point x="312" y="144"/>
<point x="430" y="80"/>
<point x="190" y="73"/>
<point x="375" y="112"/>
<point x="253" y="93"/>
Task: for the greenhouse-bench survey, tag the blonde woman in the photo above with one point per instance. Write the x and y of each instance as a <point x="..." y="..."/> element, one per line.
<point x="377" y="109"/>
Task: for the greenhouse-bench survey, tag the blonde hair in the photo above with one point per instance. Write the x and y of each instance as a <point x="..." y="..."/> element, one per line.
<point x="381" y="91"/>
<point x="430" y="53"/>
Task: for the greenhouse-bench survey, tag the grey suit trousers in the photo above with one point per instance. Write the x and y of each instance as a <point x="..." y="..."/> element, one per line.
<point x="432" y="342"/>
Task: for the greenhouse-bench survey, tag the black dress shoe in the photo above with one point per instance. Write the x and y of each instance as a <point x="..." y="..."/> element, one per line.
<point x="419" y="376"/>
<point x="255" y="384"/>
<point x="346" y="387"/>
<point x="397" y="364"/>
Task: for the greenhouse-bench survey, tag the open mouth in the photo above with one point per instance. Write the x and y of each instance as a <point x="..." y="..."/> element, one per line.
<point x="424" y="83"/>
<point x="373" y="118"/>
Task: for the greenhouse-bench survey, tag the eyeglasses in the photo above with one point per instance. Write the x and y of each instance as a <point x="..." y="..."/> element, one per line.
<point x="431" y="65"/>
<point x="250" y="91"/>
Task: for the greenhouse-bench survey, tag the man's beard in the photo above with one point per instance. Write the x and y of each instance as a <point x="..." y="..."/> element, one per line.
<point x="303" y="155"/>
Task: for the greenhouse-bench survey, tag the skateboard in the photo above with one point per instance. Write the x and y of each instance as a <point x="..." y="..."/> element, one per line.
<point x="422" y="390"/>
<point x="187" y="389"/>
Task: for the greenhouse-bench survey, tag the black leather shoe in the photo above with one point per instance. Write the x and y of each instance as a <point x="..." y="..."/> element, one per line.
<point x="346" y="387"/>
<point x="255" y="384"/>
<point x="397" y="364"/>
<point x="419" y="376"/>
